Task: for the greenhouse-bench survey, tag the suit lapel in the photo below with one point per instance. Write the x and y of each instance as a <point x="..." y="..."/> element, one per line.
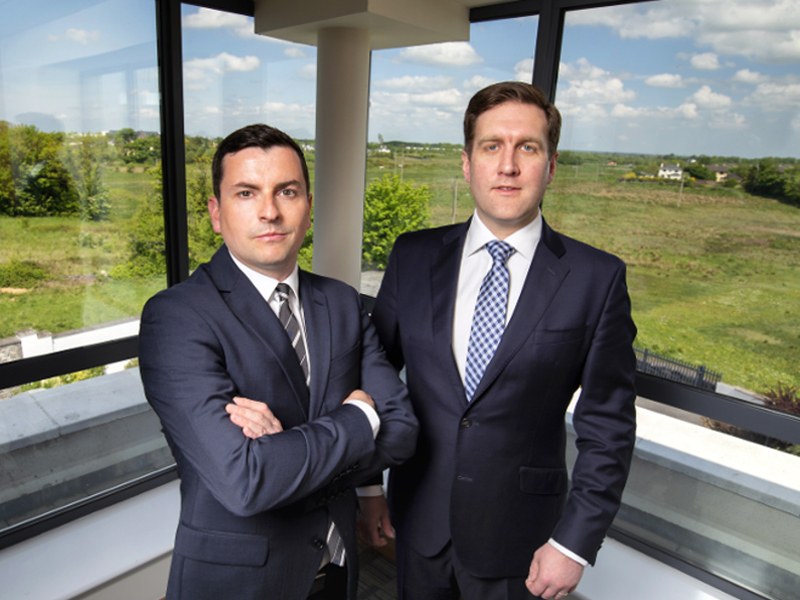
<point x="250" y="309"/>
<point x="444" y="284"/>
<point x="545" y="276"/>
<point x="319" y="340"/>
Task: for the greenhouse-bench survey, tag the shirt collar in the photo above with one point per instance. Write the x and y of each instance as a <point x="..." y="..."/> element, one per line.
<point x="264" y="283"/>
<point x="524" y="240"/>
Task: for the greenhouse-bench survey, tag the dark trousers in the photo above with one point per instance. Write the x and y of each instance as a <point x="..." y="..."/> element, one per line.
<point x="443" y="577"/>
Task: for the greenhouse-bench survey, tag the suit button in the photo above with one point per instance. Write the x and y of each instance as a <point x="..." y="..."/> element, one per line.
<point x="466" y="423"/>
<point x="318" y="544"/>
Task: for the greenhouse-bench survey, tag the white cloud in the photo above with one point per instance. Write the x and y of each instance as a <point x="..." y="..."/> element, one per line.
<point x="197" y="71"/>
<point x="308" y="71"/>
<point x="748" y="76"/>
<point x="523" y="70"/>
<point x="708" y="61"/>
<point x="588" y="83"/>
<point x="665" y="80"/>
<point x="706" y="98"/>
<point x="206" y="18"/>
<point x="294" y="52"/>
<point x="414" y="83"/>
<point x="450" y="54"/>
<point x="728" y="120"/>
<point x="78" y="36"/>
<point x="762" y="30"/>
<point x="688" y="110"/>
<point x="774" y="96"/>
<point x="477" y="82"/>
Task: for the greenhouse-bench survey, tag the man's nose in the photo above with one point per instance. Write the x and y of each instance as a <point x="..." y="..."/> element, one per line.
<point x="268" y="210"/>
<point x="508" y="162"/>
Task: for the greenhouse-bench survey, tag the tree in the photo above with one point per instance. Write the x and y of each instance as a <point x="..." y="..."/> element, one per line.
<point x="700" y="171"/>
<point x="87" y="171"/>
<point x="146" y="251"/>
<point x="391" y="207"/>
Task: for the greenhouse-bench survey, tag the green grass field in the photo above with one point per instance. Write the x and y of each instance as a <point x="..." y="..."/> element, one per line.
<point x="714" y="274"/>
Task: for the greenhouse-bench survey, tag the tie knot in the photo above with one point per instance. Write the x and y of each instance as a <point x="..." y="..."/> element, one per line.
<point x="282" y="290"/>
<point x="500" y="251"/>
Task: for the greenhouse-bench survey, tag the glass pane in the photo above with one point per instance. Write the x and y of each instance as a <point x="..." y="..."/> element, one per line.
<point x="79" y="150"/>
<point x="82" y="244"/>
<point x="680" y="154"/>
<point x="417" y="100"/>
<point x="232" y="78"/>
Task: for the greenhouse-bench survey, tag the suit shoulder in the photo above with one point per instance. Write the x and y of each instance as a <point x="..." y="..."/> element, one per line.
<point x="425" y="240"/>
<point x="328" y="285"/>
<point x="186" y="293"/>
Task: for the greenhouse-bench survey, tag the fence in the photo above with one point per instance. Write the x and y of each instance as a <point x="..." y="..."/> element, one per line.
<point x="676" y="370"/>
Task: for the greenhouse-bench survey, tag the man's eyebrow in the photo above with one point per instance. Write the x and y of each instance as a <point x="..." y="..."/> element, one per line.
<point x="246" y="185"/>
<point x="282" y="185"/>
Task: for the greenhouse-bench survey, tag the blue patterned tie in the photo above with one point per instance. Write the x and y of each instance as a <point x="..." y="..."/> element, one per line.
<point x="489" y="318"/>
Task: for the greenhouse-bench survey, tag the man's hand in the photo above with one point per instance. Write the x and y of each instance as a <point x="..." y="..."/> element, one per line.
<point x="552" y="575"/>
<point x="254" y="418"/>
<point x="374" y="525"/>
<point x="361" y="395"/>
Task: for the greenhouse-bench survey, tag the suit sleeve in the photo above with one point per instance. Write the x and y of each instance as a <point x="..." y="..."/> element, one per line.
<point x="384" y="314"/>
<point x="605" y="426"/>
<point x="185" y="380"/>
<point x="397" y="438"/>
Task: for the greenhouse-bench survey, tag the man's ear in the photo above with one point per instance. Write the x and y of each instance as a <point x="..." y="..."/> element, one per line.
<point x="465" y="165"/>
<point x="552" y="168"/>
<point x="213" y="213"/>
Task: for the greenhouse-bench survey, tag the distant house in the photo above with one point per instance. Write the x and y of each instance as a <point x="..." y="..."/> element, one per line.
<point x="666" y="171"/>
<point x="720" y="172"/>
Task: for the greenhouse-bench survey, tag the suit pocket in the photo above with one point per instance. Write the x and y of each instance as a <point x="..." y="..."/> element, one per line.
<point x="559" y="336"/>
<point x="222" y="548"/>
<point x="543" y="481"/>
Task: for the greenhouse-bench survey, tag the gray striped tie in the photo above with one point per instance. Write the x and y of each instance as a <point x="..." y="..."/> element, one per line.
<point x="292" y="327"/>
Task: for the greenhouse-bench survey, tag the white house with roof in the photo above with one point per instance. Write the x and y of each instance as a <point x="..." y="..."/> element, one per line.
<point x="670" y="171"/>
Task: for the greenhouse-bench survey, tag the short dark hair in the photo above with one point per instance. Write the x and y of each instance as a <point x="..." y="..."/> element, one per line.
<point x="254" y="136"/>
<point x="511" y="91"/>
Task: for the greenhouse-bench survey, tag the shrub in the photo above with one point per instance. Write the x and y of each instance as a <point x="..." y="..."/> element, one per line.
<point x="21" y="273"/>
<point x="391" y="207"/>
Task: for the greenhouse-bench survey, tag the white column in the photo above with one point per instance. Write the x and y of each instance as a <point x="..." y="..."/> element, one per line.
<point x="343" y="64"/>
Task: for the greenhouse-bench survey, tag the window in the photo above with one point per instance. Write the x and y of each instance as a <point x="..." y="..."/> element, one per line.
<point x="83" y="244"/>
<point x="672" y="111"/>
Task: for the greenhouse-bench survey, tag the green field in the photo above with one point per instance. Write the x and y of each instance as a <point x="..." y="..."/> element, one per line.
<point x="714" y="273"/>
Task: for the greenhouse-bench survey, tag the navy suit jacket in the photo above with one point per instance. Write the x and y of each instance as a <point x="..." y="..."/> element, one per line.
<point x="255" y="513"/>
<point x="490" y="475"/>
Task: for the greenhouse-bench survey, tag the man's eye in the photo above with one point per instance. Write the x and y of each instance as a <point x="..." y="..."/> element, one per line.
<point x="528" y="148"/>
<point x="288" y="192"/>
<point x="245" y="194"/>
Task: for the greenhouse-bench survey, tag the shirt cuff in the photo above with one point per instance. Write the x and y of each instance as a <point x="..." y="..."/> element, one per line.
<point x="369" y="491"/>
<point x="568" y="553"/>
<point x="374" y="419"/>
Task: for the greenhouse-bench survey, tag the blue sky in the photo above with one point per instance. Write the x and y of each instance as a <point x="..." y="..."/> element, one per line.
<point x="702" y="77"/>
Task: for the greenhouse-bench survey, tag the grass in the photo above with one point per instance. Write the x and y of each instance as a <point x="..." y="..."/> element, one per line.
<point x="714" y="274"/>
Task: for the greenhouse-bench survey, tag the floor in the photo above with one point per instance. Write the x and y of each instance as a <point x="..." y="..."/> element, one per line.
<point x="377" y="580"/>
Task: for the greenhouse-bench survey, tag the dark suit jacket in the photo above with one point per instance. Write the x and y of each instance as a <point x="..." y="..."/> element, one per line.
<point x="491" y="474"/>
<point x="254" y="514"/>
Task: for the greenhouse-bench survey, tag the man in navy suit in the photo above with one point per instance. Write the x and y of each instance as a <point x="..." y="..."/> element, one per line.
<point x="484" y="510"/>
<point x="272" y="391"/>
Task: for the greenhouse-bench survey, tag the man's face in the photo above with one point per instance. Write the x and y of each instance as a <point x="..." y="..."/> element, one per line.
<point x="508" y="169"/>
<point x="264" y="208"/>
